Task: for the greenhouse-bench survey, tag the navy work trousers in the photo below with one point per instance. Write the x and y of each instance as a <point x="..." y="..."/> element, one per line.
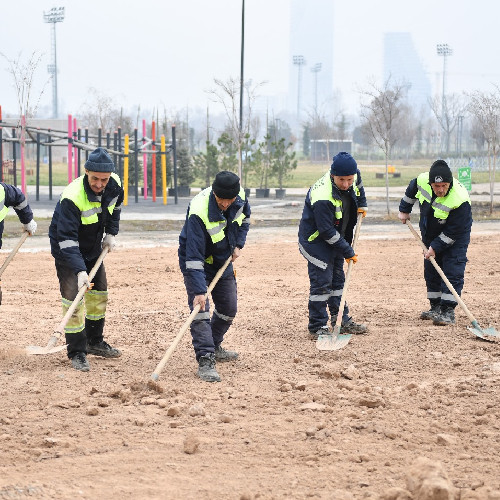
<point x="326" y="286"/>
<point x="208" y="333"/>
<point x="452" y="261"/>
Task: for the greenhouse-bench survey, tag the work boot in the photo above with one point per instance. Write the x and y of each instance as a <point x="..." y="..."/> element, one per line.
<point x="79" y="362"/>
<point x="445" y="317"/>
<point x="431" y="313"/>
<point x="103" y="349"/>
<point x="222" y="354"/>
<point x="322" y="330"/>
<point x="354" y="328"/>
<point x="206" y="368"/>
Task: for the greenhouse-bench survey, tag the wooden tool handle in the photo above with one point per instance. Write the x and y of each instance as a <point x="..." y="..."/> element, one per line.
<point x="441" y="273"/>
<point x="188" y="322"/>
<point x="13" y="252"/>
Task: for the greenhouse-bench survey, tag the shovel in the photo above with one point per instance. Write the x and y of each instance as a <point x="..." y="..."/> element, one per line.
<point x="337" y="340"/>
<point x="155" y="375"/>
<point x="51" y="346"/>
<point x="482" y="333"/>
<point x="13" y="252"/>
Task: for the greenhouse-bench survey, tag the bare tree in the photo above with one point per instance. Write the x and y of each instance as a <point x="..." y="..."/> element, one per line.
<point x="485" y="107"/>
<point x="447" y="112"/>
<point x="23" y="74"/>
<point x="227" y="93"/>
<point x="380" y="111"/>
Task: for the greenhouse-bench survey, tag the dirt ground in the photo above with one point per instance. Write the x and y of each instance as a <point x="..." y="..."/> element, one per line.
<point x="287" y="421"/>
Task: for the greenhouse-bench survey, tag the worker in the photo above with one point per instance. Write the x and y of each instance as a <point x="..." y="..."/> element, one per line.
<point x="11" y="196"/>
<point x="85" y="221"/>
<point x="215" y="229"/>
<point x="325" y="235"/>
<point x="445" y="226"/>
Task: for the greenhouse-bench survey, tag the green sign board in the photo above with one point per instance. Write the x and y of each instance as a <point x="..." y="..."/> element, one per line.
<point x="464" y="176"/>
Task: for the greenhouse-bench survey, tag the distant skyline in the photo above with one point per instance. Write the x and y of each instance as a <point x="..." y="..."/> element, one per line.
<point x="167" y="53"/>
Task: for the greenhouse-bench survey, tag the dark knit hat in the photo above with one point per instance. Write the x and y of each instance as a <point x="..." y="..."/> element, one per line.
<point x="226" y="185"/>
<point x="440" y="172"/>
<point x="343" y="165"/>
<point x="100" y="161"/>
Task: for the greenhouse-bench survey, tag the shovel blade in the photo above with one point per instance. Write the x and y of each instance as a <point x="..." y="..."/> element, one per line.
<point x="34" y="349"/>
<point x="332" y="342"/>
<point x="484" y="333"/>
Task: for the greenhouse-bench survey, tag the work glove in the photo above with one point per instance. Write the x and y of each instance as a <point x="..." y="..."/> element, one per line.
<point x="362" y="210"/>
<point x="354" y="259"/>
<point x="30" y="227"/>
<point x="83" y="280"/>
<point x="109" y="241"/>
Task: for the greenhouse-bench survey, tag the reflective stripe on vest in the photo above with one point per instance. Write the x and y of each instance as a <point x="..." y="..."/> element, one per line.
<point x="3" y="209"/>
<point x="199" y="207"/>
<point x="442" y="206"/>
<point x="322" y="190"/>
<point x="88" y="209"/>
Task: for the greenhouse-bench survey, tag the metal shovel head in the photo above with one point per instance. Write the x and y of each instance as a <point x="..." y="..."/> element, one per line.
<point x="34" y="349"/>
<point x="484" y="333"/>
<point x="332" y="342"/>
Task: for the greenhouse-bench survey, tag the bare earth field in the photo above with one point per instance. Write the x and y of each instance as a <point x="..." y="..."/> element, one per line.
<point x="287" y="421"/>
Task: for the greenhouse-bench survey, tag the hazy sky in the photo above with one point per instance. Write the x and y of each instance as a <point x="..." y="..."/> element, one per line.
<point x="167" y="53"/>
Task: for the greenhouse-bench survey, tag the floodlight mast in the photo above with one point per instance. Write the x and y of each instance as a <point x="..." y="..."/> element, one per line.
<point x="299" y="61"/>
<point x="53" y="16"/>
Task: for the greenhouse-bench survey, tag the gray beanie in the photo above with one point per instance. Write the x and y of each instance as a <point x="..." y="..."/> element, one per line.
<point x="100" y="161"/>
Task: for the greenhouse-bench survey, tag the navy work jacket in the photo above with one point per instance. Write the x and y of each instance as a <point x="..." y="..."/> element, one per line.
<point x="15" y="198"/>
<point x="199" y="257"/>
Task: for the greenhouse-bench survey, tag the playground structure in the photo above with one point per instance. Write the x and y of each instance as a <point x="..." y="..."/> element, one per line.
<point x="124" y="148"/>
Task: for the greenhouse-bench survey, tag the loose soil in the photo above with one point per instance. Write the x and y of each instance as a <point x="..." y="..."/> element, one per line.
<point x="287" y="421"/>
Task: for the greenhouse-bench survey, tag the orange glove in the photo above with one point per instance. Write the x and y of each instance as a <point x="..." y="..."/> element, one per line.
<point x="354" y="259"/>
<point x="362" y="210"/>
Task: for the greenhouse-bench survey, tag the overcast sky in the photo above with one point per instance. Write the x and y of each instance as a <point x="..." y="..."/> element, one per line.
<point x="167" y="53"/>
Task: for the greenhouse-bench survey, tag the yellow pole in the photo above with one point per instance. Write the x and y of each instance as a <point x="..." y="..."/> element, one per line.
<point x="163" y="169"/>
<point x="125" y="173"/>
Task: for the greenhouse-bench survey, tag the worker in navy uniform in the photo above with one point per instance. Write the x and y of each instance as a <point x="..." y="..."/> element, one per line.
<point x="445" y="226"/>
<point x="11" y="196"/>
<point x="325" y="235"/>
<point x="216" y="228"/>
<point x="86" y="220"/>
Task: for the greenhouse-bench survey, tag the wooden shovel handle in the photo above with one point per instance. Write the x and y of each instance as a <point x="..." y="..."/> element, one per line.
<point x="441" y="273"/>
<point x="338" y="321"/>
<point x="13" y="252"/>
<point x="188" y="322"/>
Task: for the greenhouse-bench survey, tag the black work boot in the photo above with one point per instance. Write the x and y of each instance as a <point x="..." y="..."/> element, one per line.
<point x="206" y="368"/>
<point x="353" y="327"/>
<point x="103" y="349"/>
<point x="222" y="354"/>
<point x="432" y="312"/>
<point x="445" y="317"/>
<point x="79" y="362"/>
<point x="314" y="334"/>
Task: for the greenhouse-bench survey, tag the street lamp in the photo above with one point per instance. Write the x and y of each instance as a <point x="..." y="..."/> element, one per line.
<point x="53" y="16"/>
<point x="299" y="61"/>
<point x="316" y="69"/>
<point x="444" y="50"/>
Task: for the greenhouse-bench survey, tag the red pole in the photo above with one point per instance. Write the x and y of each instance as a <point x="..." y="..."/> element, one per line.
<point x="70" y="148"/>
<point x="153" y="160"/>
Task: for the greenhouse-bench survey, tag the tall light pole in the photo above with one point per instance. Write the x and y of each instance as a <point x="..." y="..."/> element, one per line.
<point x="444" y="50"/>
<point x="316" y="69"/>
<point x="299" y="61"/>
<point x="53" y="16"/>
<point x="240" y="159"/>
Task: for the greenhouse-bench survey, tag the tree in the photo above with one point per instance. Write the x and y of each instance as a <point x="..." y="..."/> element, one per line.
<point x="206" y="165"/>
<point x="184" y="167"/>
<point x="447" y="111"/>
<point x="227" y="94"/>
<point x="282" y="160"/>
<point x="485" y="107"/>
<point x="306" y="141"/>
<point x="380" y="113"/>
<point x="227" y="156"/>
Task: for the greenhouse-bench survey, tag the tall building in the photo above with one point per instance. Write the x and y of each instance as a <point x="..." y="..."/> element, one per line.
<point x="403" y="65"/>
<point x="311" y="57"/>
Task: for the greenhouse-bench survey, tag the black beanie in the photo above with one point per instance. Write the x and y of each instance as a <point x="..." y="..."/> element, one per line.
<point x="343" y="165"/>
<point x="440" y="172"/>
<point x="226" y="185"/>
<point x="100" y="161"/>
